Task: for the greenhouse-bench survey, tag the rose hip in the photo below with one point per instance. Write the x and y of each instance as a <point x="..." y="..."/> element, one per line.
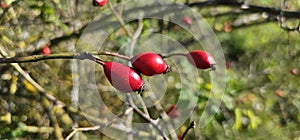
<point x="201" y="59"/>
<point x="122" y="77"/>
<point x="149" y="63"/>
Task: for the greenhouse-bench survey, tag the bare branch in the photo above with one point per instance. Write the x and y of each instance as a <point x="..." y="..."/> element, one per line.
<point x="250" y="8"/>
<point x="120" y="19"/>
<point x="80" y="56"/>
<point x="94" y="128"/>
<point x="192" y="125"/>
<point x="154" y="123"/>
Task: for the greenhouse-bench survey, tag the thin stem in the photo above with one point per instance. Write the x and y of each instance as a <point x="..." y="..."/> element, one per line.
<point x="163" y="115"/>
<point x="154" y="123"/>
<point x="192" y="125"/>
<point x="112" y="54"/>
<point x="94" y="128"/>
<point x="120" y="19"/>
<point x="81" y="129"/>
<point x="41" y="90"/>
<point x="135" y="36"/>
<point x="174" y="54"/>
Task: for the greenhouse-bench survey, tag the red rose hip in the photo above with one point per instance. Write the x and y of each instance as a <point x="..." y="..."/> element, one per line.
<point x="201" y="59"/>
<point x="149" y="63"/>
<point x="99" y="2"/>
<point x="122" y="77"/>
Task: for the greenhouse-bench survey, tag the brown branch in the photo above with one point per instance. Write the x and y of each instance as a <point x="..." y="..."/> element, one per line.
<point x="192" y="125"/>
<point x="31" y="81"/>
<point x="80" y="56"/>
<point x="75" y="130"/>
<point x="248" y="7"/>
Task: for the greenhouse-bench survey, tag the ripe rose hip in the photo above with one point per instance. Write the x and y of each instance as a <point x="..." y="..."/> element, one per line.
<point x="99" y="2"/>
<point x="201" y="59"/>
<point x="46" y="50"/>
<point x="173" y="112"/>
<point x="123" y="77"/>
<point x="149" y="63"/>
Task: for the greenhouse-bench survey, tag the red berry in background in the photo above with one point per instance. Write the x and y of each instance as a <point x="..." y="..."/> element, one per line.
<point x="173" y="112"/>
<point x="187" y="20"/>
<point x="3" y="5"/>
<point x="201" y="59"/>
<point x="122" y="77"/>
<point x="46" y="50"/>
<point x="227" y="26"/>
<point x="99" y="2"/>
<point x="294" y="71"/>
<point x="149" y="63"/>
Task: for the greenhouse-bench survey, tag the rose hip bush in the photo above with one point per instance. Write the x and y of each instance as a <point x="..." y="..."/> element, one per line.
<point x="261" y="99"/>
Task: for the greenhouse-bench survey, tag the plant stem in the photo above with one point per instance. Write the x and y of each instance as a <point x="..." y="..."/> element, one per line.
<point x="192" y="125"/>
<point x="80" y="56"/>
<point x="174" y="54"/>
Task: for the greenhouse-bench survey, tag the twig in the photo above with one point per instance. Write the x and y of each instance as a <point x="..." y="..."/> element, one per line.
<point x="43" y="92"/>
<point x="31" y="81"/>
<point x="79" y="56"/>
<point x="103" y="123"/>
<point x="53" y="118"/>
<point x="6" y="10"/>
<point x="281" y="20"/>
<point x="36" y="129"/>
<point x="134" y="38"/>
<point x="120" y="19"/>
<point x="39" y="44"/>
<point x="75" y="130"/>
<point x="112" y="54"/>
<point x="163" y="115"/>
<point x="154" y="123"/>
<point x="192" y="125"/>
<point x="250" y="7"/>
<point x="174" y="54"/>
<point x="136" y="34"/>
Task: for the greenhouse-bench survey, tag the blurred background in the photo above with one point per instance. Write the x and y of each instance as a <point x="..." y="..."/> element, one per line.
<point x="260" y="40"/>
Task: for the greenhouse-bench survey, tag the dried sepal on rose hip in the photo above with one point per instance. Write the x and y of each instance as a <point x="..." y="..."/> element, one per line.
<point x="99" y="2"/>
<point x="149" y="63"/>
<point x="201" y="59"/>
<point x="122" y="77"/>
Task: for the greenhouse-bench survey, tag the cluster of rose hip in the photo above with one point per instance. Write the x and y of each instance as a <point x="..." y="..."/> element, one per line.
<point x="128" y="79"/>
